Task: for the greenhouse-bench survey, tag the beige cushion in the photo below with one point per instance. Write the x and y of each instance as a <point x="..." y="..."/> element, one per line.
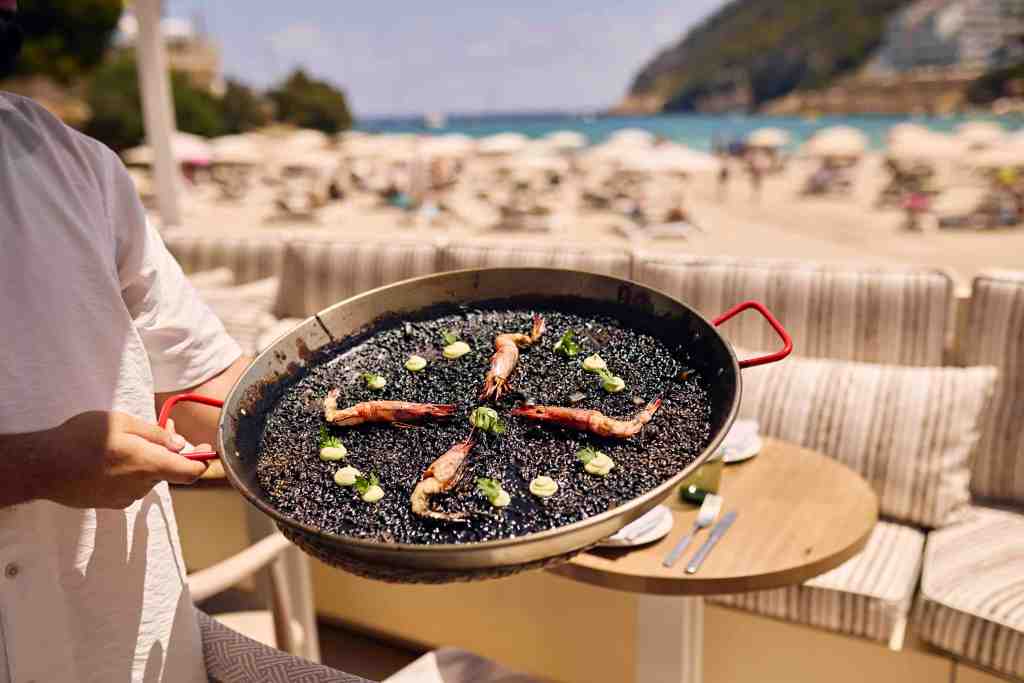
<point x="908" y="431"/>
<point x="995" y="336"/>
<point x="244" y="310"/>
<point x="614" y="261"/>
<point x="319" y="274"/>
<point x="251" y="256"/>
<point x="216" y="277"/>
<point x="868" y="596"/>
<point x="832" y="311"/>
<point x="972" y="590"/>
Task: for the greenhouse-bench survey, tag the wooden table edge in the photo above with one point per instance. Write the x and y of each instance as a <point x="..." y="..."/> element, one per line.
<point x="695" y="585"/>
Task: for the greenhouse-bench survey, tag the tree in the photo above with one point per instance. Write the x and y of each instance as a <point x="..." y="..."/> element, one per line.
<point x="113" y="96"/>
<point x="65" y="39"/>
<point x="243" y="109"/>
<point x="309" y="103"/>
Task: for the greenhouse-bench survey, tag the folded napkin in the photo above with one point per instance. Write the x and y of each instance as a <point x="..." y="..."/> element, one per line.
<point x="742" y="441"/>
<point x="640" y="527"/>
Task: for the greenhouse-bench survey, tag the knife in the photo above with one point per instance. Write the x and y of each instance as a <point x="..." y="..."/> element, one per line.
<point x="716" y="533"/>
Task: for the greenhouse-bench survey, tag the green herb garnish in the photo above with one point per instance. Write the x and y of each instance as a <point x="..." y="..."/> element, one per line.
<point x="374" y="381"/>
<point x="586" y="454"/>
<point x="486" y="419"/>
<point x="488" y="487"/>
<point x="365" y="482"/>
<point x="327" y="440"/>
<point x="449" y="337"/>
<point x="567" y="345"/>
<point x="610" y="382"/>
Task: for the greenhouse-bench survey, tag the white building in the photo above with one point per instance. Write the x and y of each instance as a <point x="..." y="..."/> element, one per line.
<point x="970" y="34"/>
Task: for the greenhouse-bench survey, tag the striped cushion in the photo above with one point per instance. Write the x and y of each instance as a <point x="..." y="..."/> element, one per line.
<point x="995" y="336"/>
<point x="249" y="256"/>
<point x="867" y="596"/>
<point x="908" y="431"/>
<point x="898" y="317"/>
<point x="605" y="260"/>
<point x="972" y="590"/>
<point x="321" y="273"/>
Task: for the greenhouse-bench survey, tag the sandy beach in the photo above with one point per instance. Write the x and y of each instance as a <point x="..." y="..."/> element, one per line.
<point x="778" y="224"/>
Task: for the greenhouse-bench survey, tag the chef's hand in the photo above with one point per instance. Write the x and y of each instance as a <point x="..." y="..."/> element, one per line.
<point x="110" y="459"/>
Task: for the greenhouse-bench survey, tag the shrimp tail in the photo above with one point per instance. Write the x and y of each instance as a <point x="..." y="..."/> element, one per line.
<point x="538" y="328"/>
<point x="494" y="387"/>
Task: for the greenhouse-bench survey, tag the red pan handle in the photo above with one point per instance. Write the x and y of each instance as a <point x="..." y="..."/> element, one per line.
<point x="165" y="412"/>
<point x="787" y="341"/>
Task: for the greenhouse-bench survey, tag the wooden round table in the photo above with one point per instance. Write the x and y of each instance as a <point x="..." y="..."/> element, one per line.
<point x="799" y="514"/>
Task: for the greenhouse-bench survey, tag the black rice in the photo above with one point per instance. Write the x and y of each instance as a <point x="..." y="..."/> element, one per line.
<point x="302" y="486"/>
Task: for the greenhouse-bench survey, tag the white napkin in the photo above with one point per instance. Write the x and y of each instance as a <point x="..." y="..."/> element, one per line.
<point x="743" y="441"/>
<point x="640" y="526"/>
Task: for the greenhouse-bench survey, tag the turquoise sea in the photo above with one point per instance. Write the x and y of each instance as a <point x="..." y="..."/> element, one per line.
<point x="694" y="130"/>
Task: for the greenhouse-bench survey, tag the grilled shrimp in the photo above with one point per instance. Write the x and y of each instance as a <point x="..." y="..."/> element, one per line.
<point x="381" y="411"/>
<point x="591" y="421"/>
<point x="506" y="355"/>
<point x="444" y="473"/>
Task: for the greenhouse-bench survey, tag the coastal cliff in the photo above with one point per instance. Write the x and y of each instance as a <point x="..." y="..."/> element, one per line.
<point x="752" y="51"/>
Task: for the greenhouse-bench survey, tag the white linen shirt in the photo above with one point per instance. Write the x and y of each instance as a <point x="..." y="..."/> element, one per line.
<point x="94" y="315"/>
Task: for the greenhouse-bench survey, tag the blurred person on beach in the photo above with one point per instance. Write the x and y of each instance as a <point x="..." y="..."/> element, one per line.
<point x="100" y="327"/>
<point x="723" y="176"/>
<point x="756" y="172"/>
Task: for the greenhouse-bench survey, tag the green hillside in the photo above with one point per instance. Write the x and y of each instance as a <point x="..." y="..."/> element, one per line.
<point x="756" y="50"/>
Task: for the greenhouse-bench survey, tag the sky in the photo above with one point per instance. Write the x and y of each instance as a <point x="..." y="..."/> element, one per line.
<point x="408" y="58"/>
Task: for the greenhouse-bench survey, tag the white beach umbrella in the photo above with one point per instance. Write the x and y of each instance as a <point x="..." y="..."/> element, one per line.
<point x="237" y="149"/>
<point x="928" y="147"/>
<point x="606" y="152"/>
<point x="837" y="141"/>
<point x="769" y="138"/>
<point x="502" y="143"/>
<point x="306" y="139"/>
<point x="453" y="145"/>
<point x="565" y="140"/>
<point x="631" y="136"/>
<point x="537" y="162"/>
<point x="980" y="133"/>
<point x="185" y="147"/>
<point x="957" y="201"/>
<point x="906" y="130"/>
<point x="383" y="147"/>
<point x="1009" y="154"/>
<point x="668" y="159"/>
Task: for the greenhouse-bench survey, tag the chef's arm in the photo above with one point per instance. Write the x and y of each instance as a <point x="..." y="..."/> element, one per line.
<point x="198" y="422"/>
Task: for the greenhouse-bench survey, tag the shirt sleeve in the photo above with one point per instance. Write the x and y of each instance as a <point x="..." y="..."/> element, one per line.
<point x="186" y="343"/>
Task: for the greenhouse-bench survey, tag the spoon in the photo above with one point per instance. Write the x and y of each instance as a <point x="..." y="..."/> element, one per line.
<point x="708" y="511"/>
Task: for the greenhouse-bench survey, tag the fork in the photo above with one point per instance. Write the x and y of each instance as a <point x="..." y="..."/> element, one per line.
<point x="707" y="514"/>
